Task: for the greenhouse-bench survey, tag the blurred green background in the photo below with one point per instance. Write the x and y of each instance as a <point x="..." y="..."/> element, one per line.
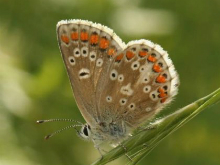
<point x="34" y="83"/>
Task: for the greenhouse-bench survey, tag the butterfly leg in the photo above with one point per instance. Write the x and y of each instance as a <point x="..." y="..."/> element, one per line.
<point x="125" y="149"/>
<point x="97" y="147"/>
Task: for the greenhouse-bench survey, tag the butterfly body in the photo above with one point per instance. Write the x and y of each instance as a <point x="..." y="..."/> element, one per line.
<point x="117" y="87"/>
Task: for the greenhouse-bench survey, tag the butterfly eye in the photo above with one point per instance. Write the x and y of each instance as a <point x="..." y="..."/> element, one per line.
<point x="85" y="131"/>
<point x="72" y="60"/>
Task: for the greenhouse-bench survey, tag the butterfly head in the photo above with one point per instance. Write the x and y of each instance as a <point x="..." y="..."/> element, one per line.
<point x="85" y="132"/>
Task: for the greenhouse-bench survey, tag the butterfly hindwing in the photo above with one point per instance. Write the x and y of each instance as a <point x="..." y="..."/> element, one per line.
<point x="142" y="79"/>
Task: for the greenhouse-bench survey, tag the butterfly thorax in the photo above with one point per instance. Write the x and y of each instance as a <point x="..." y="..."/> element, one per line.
<point x="111" y="132"/>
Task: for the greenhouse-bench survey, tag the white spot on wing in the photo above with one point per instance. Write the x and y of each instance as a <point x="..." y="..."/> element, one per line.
<point x="148" y="109"/>
<point x="92" y="56"/>
<point x="126" y="90"/>
<point x="99" y="62"/>
<point x="153" y="96"/>
<point x="72" y="60"/>
<point x="109" y="99"/>
<point x="147" y="89"/>
<point x="84" y="73"/>
<point x="120" y="77"/>
<point x="76" y="52"/>
<point x="123" y="101"/>
<point x="84" y="51"/>
<point x="113" y="74"/>
<point x="135" y="65"/>
<point x="131" y="106"/>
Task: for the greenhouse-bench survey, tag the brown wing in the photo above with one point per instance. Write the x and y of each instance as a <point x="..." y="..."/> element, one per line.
<point x="87" y="50"/>
<point x="141" y="81"/>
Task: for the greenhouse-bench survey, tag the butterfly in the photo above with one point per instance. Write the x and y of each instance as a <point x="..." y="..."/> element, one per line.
<point x="117" y="87"/>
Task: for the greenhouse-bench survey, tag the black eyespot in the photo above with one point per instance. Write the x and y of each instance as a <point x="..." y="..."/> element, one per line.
<point x="165" y="75"/>
<point x="131" y="106"/>
<point x="153" y="54"/>
<point x="84" y="51"/>
<point x="92" y="56"/>
<point x="113" y="75"/>
<point x="77" y="52"/>
<point x="83" y="74"/>
<point x="135" y="65"/>
<point x="134" y="49"/>
<point x="165" y="87"/>
<point x="160" y="64"/>
<point x="71" y="60"/>
<point x="85" y="131"/>
<point x="153" y="95"/>
<point x="145" y="49"/>
<point x="89" y="127"/>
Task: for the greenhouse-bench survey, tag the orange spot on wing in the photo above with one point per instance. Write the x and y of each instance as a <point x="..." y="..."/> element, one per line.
<point x="65" y="39"/>
<point x="111" y="52"/>
<point x="94" y="39"/>
<point x="157" y="68"/>
<point x="163" y="100"/>
<point x="151" y="58"/>
<point x="104" y="43"/>
<point x="119" y="57"/>
<point x="84" y="36"/>
<point x="162" y="92"/>
<point x="74" y="36"/>
<point x="129" y="55"/>
<point x="161" y="79"/>
<point x="142" y="53"/>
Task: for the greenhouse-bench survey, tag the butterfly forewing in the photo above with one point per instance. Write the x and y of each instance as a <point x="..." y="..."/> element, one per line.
<point x="88" y="50"/>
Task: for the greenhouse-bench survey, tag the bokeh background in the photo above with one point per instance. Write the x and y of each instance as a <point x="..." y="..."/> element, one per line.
<point x="34" y="84"/>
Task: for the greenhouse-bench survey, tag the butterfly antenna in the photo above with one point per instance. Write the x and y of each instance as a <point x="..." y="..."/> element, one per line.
<point x="52" y="120"/>
<point x="65" y="128"/>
